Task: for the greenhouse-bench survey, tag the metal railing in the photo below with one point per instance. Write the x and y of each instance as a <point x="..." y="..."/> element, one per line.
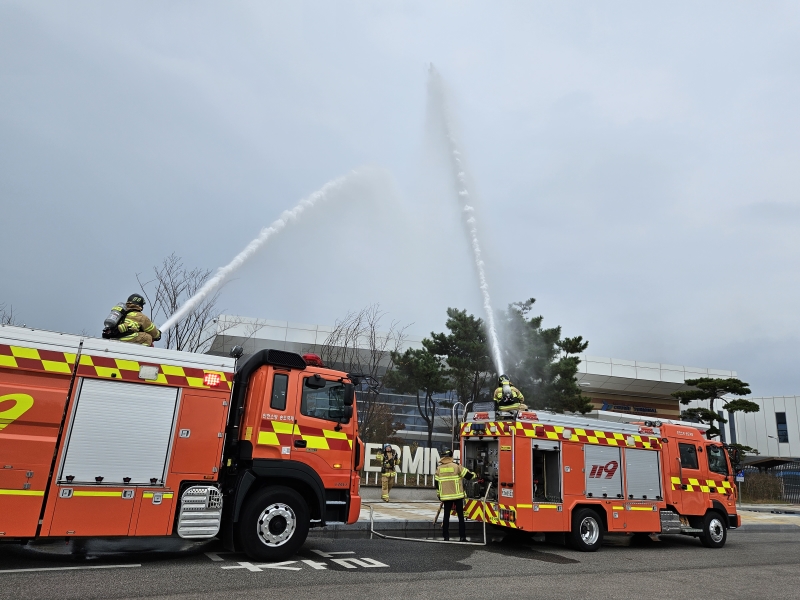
<point x="430" y="541"/>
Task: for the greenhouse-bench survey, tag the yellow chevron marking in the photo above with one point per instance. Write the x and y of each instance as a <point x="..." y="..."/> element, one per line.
<point x="283" y="427"/>
<point x="21" y="352"/>
<point x="126" y="365"/>
<point x="171" y="370"/>
<point x="56" y="367"/>
<point x="268" y="438"/>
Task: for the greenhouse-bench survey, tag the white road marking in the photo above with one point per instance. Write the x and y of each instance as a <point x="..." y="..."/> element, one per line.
<point x="330" y="554"/>
<point x="258" y="568"/>
<point x="319" y="566"/>
<point x="68" y="568"/>
<point x="245" y="565"/>
<point x="214" y="556"/>
<point x="358" y="562"/>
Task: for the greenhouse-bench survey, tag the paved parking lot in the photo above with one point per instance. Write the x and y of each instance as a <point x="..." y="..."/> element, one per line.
<point x="751" y="565"/>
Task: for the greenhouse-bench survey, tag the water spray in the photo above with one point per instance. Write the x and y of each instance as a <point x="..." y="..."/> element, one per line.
<point x="265" y="235"/>
<point x="436" y="93"/>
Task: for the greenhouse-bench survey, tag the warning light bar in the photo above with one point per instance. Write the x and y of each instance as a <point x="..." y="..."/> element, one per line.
<point x="313" y="360"/>
<point x="212" y="379"/>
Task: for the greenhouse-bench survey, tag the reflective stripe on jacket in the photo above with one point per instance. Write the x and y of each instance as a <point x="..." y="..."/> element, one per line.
<point x="448" y="477"/>
<point x="388" y="463"/>
<point x="135" y="322"/>
<point x="516" y="395"/>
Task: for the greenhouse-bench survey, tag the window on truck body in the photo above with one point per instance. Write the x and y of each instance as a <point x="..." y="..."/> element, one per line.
<point x="323" y="403"/>
<point x="280" y="383"/>
<point x="716" y="460"/>
<point x="688" y="456"/>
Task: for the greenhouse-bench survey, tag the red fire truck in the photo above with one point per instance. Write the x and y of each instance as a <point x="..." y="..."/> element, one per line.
<point x="544" y="472"/>
<point x="103" y="438"/>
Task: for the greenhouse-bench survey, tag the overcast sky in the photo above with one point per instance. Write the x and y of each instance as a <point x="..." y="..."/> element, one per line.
<point x="637" y="167"/>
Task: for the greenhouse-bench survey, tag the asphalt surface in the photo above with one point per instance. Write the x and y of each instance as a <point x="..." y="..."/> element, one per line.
<point x="752" y="565"/>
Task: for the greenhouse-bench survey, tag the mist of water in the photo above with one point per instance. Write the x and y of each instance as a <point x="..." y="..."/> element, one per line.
<point x="264" y="236"/>
<point x="437" y="99"/>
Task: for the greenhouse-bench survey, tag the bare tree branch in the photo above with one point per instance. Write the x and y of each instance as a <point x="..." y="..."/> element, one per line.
<point x="357" y="345"/>
<point x="172" y="285"/>
<point x="7" y="314"/>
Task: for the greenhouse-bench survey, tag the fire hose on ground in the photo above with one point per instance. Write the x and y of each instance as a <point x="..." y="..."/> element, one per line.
<point x="395" y="537"/>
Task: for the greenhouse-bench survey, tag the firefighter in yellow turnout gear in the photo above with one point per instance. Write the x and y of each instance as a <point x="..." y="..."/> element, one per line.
<point x="135" y="327"/>
<point x="507" y="396"/>
<point x="389" y="460"/>
<point x="448" y="477"/>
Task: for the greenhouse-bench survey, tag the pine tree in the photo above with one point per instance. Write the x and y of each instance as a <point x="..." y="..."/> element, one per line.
<point x="711" y="390"/>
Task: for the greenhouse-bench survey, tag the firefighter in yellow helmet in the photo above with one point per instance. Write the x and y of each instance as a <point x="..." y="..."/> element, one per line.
<point x="132" y="325"/>
<point x="507" y="396"/>
<point x="448" y="477"/>
<point x="389" y="462"/>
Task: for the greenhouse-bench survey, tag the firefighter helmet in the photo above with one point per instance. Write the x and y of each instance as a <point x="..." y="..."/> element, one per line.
<point x="447" y="453"/>
<point x="136" y="299"/>
<point x="503" y="380"/>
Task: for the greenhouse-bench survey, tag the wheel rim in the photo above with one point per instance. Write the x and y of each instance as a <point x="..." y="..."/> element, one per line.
<point x="276" y="524"/>
<point x="590" y="531"/>
<point x="716" y="530"/>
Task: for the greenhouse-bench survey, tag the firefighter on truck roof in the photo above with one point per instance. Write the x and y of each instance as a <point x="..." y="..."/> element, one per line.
<point x="507" y="396"/>
<point x="130" y="324"/>
<point x="389" y="462"/>
<point x="451" y="492"/>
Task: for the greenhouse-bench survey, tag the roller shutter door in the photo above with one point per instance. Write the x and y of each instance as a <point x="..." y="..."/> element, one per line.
<point x="603" y="472"/>
<point x="643" y="474"/>
<point x="120" y="430"/>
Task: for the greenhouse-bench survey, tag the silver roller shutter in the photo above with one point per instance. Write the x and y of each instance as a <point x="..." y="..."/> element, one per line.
<point x="643" y="475"/>
<point x="120" y="430"/>
<point x="603" y="472"/>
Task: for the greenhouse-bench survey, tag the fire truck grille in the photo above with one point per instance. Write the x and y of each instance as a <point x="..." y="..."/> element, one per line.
<point x="201" y="512"/>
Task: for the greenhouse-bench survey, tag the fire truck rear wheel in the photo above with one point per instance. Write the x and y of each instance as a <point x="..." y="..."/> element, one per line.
<point x="274" y="524"/>
<point x="587" y="530"/>
<point x="714" y="531"/>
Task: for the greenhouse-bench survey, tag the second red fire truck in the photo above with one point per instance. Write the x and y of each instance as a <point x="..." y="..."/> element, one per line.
<point x="543" y="472"/>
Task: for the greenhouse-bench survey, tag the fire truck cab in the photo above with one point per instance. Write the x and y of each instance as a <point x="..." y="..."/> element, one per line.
<point x="544" y="472"/>
<point x="99" y="438"/>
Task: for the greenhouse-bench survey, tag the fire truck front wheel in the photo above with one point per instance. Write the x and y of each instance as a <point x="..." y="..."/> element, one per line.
<point x="274" y="524"/>
<point x="586" y="534"/>
<point x="714" y="531"/>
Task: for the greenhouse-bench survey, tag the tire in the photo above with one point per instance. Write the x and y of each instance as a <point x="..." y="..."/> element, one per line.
<point x="715" y="534"/>
<point x="586" y="534"/>
<point x="274" y="524"/>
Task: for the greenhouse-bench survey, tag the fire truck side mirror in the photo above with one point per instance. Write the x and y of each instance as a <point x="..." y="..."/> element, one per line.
<point x="347" y="414"/>
<point x="349" y="394"/>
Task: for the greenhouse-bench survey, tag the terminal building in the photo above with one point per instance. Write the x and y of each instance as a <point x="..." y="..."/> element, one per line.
<point x="614" y="385"/>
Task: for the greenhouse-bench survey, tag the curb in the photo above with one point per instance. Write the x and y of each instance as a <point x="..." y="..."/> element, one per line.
<point x="767" y="528"/>
<point x="401" y="526"/>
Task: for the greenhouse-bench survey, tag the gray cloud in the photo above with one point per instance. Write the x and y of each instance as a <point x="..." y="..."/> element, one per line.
<point x="636" y="166"/>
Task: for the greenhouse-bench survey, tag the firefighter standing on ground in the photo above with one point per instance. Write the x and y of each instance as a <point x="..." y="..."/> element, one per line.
<point x="507" y="396"/>
<point x="451" y="492"/>
<point x="135" y="326"/>
<point x="389" y="461"/>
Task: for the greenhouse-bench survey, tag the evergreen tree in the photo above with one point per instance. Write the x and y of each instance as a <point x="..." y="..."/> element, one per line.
<point x="466" y="350"/>
<point x="541" y="364"/>
<point x="417" y="370"/>
<point x="711" y="390"/>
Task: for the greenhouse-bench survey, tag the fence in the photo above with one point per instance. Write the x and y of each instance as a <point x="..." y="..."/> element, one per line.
<point x="781" y="483"/>
<point x="403" y="480"/>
